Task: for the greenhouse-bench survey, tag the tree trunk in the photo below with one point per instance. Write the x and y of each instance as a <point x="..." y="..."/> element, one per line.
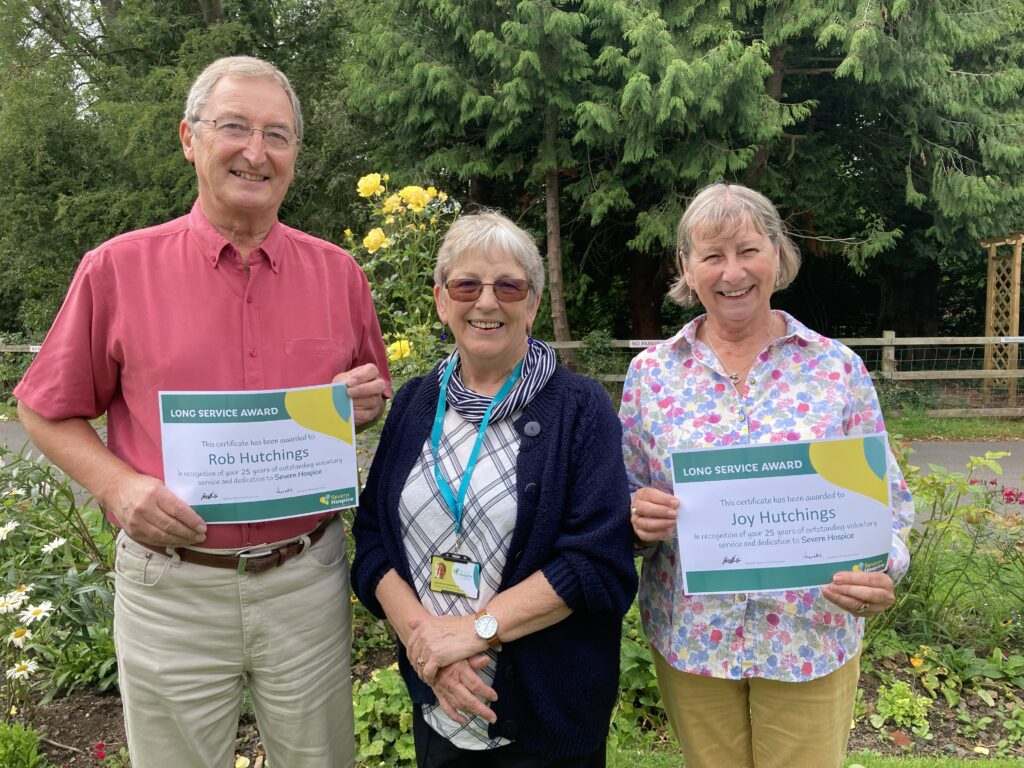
<point x="648" y="281"/>
<point x="559" y="318"/>
<point x="213" y="11"/>
<point x="773" y="88"/>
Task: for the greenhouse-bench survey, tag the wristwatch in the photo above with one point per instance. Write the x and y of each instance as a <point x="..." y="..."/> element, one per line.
<point x="486" y="627"/>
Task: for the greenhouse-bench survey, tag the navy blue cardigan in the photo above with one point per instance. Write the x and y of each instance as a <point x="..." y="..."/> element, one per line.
<point x="556" y="687"/>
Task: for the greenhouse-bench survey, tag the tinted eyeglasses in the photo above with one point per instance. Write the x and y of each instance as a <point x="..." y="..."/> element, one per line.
<point x="506" y="289"/>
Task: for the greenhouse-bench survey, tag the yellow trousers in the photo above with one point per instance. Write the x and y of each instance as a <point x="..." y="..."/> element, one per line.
<point x="758" y="723"/>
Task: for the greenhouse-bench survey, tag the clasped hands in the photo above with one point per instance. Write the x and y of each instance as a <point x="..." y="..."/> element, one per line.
<point x="863" y="593"/>
<point x="446" y="653"/>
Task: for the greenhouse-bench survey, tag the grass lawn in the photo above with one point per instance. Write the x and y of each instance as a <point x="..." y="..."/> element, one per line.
<point x="915" y="425"/>
<point x="634" y="759"/>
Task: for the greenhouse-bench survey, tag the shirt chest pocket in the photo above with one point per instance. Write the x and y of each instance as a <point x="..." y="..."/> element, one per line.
<point x="311" y="362"/>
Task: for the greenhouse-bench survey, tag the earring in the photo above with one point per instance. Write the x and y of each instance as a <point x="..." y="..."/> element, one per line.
<point x="443" y="335"/>
<point x="778" y="278"/>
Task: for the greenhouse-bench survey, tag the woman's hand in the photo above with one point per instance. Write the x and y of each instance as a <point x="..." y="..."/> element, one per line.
<point x="438" y="641"/>
<point x="461" y="692"/>
<point x="862" y="593"/>
<point x="653" y="515"/>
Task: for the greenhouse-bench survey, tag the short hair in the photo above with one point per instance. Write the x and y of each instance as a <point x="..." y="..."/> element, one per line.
<point x="487" y="231"/>
<point x="724" y="207"/>
<point x="238" y="66"/>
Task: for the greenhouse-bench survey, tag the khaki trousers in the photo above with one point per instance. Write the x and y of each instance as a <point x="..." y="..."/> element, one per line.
<point x="189" y="636"/>
<point x="758" y="723"/>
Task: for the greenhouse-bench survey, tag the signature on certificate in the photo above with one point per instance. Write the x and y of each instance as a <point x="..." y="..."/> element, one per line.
<point x="280" y="490"/>
<point x="209" y="495"/>
<point x="730" y="559"/>
<point x="812" y="555"/>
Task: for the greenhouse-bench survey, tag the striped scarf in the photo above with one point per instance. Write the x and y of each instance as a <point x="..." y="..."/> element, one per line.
<point x="538" y="366"/>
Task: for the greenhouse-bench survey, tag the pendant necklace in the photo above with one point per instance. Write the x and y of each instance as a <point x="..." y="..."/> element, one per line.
<point x="735" y="377"/>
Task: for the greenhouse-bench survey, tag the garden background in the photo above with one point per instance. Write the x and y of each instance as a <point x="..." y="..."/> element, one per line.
<point x="889" y="133"/>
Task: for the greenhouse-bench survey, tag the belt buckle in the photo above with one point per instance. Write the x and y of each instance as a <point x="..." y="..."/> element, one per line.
<point x="248" y="559"/>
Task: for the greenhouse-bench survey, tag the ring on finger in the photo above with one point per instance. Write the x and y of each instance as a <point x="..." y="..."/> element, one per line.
<point x="420" y="662"/>
<point x="863" y="607"/>
<point x="633" y="511"/>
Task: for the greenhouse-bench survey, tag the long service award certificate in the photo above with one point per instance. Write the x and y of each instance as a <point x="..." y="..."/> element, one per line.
<point x="242" y="457"/>
<point x="781" y="516"/>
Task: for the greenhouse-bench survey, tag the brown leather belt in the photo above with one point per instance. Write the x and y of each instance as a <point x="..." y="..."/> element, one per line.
<point x="259" y="561"/>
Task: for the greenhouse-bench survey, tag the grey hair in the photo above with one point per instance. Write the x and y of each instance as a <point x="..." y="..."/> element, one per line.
<point x="487" y="231"/>
<point x="238" y="66"/>
<point x="724" y="207"/>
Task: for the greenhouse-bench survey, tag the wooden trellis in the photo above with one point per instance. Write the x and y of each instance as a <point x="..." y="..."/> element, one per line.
<point x="1002" y="311"/>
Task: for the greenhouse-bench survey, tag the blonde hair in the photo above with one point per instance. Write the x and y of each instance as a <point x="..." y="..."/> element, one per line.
<point x="724" y="207"/>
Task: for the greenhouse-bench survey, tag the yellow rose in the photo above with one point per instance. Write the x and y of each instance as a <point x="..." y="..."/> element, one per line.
<point x="442" y="196"/>
<point x="241" y="761"/>
<point x="348" y="232"/>
<point x="431" y="192"/>
<point x="392" y="204"/>
<point x="399" y="349"/>
<point x="416" y="197"/>
<point x="370" y="185"/>
<point x="375" y="239"/>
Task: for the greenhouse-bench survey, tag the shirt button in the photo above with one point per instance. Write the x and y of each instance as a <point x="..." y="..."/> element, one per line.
<point x="252" y="352"/>
<point x="740" y="597"/>
<point x="248" y="299"/>
<point x="743" y="417"/>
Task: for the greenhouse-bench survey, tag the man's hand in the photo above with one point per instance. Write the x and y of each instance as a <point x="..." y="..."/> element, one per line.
<point x="366" y="390"/>
<point x="151" y="514"/>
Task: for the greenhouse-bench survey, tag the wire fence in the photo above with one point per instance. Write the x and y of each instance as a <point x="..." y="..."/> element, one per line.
<point x="943" y="376"/>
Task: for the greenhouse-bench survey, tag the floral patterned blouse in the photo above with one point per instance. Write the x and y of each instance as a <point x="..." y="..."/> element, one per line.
<point x="678" y="396"/>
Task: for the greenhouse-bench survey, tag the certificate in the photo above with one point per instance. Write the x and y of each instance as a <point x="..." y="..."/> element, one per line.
<point x="242" y="457"/>
<point x="782" y="516"/>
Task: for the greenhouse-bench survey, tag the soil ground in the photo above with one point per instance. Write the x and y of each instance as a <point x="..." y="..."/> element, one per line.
<point x="74" y="725"/>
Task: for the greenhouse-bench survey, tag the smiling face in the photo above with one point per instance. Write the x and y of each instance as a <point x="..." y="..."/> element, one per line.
<point x="241" y="184"/>
<point x="491" y="335"/>
<point x="733" y="273"/>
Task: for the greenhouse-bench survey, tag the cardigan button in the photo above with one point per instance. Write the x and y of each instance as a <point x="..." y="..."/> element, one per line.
<point x="532" y="429"/>
<point x="532" y="491"/>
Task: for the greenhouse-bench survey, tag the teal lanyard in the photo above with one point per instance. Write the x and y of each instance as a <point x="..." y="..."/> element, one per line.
<point x="456" y="505"/>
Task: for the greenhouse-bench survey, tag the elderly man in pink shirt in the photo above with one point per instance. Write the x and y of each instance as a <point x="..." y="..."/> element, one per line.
<point x="223" y="298"/>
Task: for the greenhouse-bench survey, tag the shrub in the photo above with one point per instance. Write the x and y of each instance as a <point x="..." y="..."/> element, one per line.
<point x="398" y="255"/>
<point x="19" y="747"/>
<point x="56" y="605"/>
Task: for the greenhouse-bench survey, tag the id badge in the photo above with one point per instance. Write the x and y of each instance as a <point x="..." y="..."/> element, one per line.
<point x="455" y="574"/>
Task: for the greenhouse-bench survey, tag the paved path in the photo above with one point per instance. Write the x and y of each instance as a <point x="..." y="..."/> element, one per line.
<point x="952" y="455"/>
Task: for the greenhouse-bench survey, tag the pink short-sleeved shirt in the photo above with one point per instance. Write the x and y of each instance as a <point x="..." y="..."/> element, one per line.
<point x="171" y="308"/>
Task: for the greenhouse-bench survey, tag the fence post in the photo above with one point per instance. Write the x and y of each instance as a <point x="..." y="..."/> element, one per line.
<point x="888" y="354"/>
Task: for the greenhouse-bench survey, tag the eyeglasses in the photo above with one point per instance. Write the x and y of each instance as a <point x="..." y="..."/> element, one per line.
<point x="469" y="289"/>
<point x="239" y="132"/>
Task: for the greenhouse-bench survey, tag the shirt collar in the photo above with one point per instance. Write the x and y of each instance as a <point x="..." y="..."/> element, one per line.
<point x="794" y="329"/>
<point x="213" y="245"/>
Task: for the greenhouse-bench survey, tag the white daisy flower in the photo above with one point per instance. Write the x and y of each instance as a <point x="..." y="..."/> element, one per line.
<point x="22" y="669"/>
<point x="33" y="612"/>
<point x="6" y="528"/>
<point x="7" y="605"/>
<point x="19" y="636"/>
<point x="54" y="545"/>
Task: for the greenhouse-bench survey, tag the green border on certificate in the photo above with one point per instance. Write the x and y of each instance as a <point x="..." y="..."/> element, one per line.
<point x="782" y="516"/>
<point x="253" y="456"/>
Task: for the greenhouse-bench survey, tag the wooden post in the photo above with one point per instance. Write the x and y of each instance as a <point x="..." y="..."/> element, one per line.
<point x="1014" y="329"/>
<point x="990" y="295"/>
<point x="888" y="354"/>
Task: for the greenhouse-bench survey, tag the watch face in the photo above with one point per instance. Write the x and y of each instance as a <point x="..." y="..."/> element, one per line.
<point x="486" y="626"/>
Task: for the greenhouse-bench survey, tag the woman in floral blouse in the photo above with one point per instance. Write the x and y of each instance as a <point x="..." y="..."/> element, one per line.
<point x="767" y="679"/>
